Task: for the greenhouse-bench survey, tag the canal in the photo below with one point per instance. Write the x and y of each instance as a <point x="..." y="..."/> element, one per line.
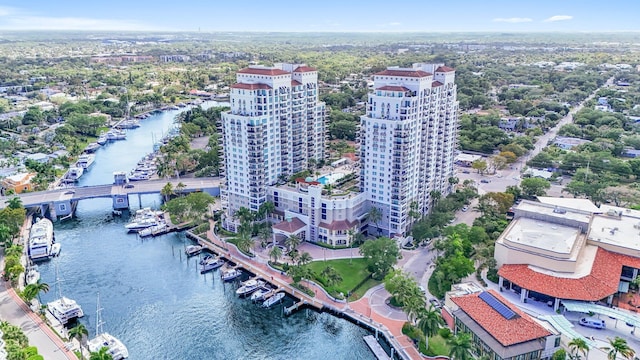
<point x="154" y="299"/>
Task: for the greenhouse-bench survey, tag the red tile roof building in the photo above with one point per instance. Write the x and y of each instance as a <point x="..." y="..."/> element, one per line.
<point x="495" y="334"/>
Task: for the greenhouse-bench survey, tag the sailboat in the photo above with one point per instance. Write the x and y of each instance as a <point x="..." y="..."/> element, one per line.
<point x="64" y="309"/>
<point x="117" y="350"/>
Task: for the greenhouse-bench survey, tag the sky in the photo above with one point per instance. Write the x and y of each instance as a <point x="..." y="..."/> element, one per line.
<point x="323" y="16"/>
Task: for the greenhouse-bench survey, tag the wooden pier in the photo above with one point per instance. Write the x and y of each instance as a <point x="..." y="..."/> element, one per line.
<point x="375" y="347"/>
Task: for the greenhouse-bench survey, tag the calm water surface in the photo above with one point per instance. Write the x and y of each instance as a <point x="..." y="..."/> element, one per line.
<point x="156" y="301"/>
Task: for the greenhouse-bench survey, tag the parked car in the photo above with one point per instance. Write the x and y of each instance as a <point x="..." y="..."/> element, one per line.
<point x="128" y="186"/>
<point x="466" y="171"/>
<point x="465" y="208"/>
<point x="435" y="303"/>
<point x="485" y="181"/>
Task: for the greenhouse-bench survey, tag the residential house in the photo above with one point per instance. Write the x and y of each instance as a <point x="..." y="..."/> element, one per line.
<point x="568" y="143"/>
<point x="18" y="183"/>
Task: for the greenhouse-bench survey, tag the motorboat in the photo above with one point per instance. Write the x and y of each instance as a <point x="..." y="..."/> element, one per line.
<point x="74" y="173"/>
<point x="102" y="139"/>
<point x="117" y="212"/>
<point x="206" y="258"/>
<point x="40" y="240"/>
<point x="65" y="310"/>
<point x="211" y="264"/>
<point x="115" y="347"/>
<point x="153" y="230"/>
<point x="139" y="176"/>
<point x="230" y="274"/>
<point x="32" y="275"/>
<point x="129" y="124"/>
<point x="92" y="147"/>
<point x="55" y="249"/>
<point x="249" y="286"/>
<point x="259" y="294"/>
<point x="115" y="134"/>
<point x="85" y="161"/>
<point x="273" y="300"/>
<point x="142" y="223"/>
<point x="192" y="250"/>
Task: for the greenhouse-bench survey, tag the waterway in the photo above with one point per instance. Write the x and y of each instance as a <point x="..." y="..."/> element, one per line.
<point x="155" y="300"/>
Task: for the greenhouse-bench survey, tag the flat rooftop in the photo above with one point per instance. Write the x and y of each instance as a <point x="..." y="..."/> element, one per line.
<point x="575" y="204"/>
<point x="618" y="230"/>
<point x="543" y="235"/>
<point x="558" y="211"/>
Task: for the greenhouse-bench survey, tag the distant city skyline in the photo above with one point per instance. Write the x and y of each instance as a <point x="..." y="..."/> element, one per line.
<point x="323" y="16"/>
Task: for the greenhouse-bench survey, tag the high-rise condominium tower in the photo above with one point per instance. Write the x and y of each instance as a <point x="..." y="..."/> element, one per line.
<point x="408" y="140"/>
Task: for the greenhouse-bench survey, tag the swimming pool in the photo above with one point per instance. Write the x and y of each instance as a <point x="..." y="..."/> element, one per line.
<point x="330" y="178"/>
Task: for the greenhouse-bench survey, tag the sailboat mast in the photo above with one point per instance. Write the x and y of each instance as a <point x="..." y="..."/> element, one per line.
<point x="98" y="316"/>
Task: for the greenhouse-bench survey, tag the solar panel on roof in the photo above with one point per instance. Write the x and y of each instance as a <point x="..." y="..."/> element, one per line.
<point x="497" y="305"/>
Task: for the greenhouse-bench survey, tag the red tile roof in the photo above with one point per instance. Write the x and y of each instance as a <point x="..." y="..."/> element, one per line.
<point x="338" y="225"/>
<point x="444" y="69"/>
<point x="304" y="69"/>
<point x="507" y="332"/>
<point x="436" y="84"/>
<point x="289" y="226"/>
<point x="600" y="283"/>
<point x="393" y="88"/>
<point x="262" y="71"/>
<point x="295" y="83"/>
<point x="250" y="86"/>
<point x="404" y="73"/>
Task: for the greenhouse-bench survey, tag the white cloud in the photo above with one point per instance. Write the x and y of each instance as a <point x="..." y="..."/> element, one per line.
<point x="559" y="18"/>
<point x="4" y="11"/>
<point x="395" y="24"/>
<point x="513" y="20"/>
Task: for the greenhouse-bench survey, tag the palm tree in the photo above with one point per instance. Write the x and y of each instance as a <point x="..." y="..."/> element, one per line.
<point x="375" y="215"/>
<point x="180" y="187"/>
<point x="167" y="191"/>
<point x="331" y="276"/>
<point x="460" y="347"/>
<point x="435" y="197"/>
<point x="429" y="321"/>
<point x="275" y="254"/>
<point x="243" y="214"/>
<point x="292" y="242"/>
<point x="617" y="346"/>
<point x="265" y="209"/>
<point x="14" y="203"/>
<point x="103" y="354"/>
<point x="264" y="233"/>
<point x="304" y="258"/>
<point x="578" y="345"/>
<point x="32" y="291"/>
<point x="79" y="332"/>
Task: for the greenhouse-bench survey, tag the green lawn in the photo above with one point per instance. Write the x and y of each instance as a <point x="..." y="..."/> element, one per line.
<point x="352" y="274"/>
<point x="438" y="346"/>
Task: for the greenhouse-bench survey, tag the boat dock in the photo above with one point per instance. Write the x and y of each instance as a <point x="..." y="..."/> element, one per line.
<point x="375" y="347"/>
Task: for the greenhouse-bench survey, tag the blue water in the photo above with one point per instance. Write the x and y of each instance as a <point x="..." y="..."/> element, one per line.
<point x="322" y="180"/>
<point x="156" y="301"/>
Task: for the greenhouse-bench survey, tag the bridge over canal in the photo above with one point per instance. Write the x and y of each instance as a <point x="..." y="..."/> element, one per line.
<point x="62" y="202"/>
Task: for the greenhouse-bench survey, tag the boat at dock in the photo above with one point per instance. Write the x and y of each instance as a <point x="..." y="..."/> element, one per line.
<point x="139" y="176"/>
<point x="259" y="295"/>
<point x="129" y="124"/>
<point x="85" y="161"/>
<point x="140" y="224"/>
<point x="74" y="174"/>
<point x="32" y="275"/>
<point x="64" y="309"/>
<point x="92" y="147"/>
<point x="230" y="274"/>
<point x="55" y="250"/>
<point x="192" y="250"/>
<point x="40" y="240"/>
<point x="116" y="348"/>
<point x="211" y="264"/>
<point x="116" y="134"/>
<point x="102" y="139"/>
<point x="273" y="300"/>
<point x="154" y="230"/>
<point x="249" y="286"/>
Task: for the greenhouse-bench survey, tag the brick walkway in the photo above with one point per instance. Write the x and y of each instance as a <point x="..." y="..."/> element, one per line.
<point x="375" y="315"/>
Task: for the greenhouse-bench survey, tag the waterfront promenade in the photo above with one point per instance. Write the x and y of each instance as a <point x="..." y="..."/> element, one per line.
<point x="16" y="312"/>
<point x="370" y="309"/>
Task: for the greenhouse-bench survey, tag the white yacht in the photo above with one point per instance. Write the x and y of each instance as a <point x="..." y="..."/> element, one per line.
<point x="65" y="309"/>
<point x="259" y="294"/>
<point x="85" y="161"/>
<point x="74" y="173"/>
<point x="230" y="274"/>
<point x="192" y="250"/>
<point x="273" y="300"/>
<point x="249" y="286"/>
<point x="102" y="139"/>
<point x="32" y="275"/>
<point x="140" y="224"/>
<point x="115" y="134"/>
<point x="40" y="240"/>
<point x="211" y="264"/>
<point x="117" y="350"/>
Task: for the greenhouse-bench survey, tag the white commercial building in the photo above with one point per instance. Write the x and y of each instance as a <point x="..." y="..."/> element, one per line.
<point x="275" y="126"/>
<point x="408" y="140"/>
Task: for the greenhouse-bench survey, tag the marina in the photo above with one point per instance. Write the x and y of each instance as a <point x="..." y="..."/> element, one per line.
<point x="153" y="291"/>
